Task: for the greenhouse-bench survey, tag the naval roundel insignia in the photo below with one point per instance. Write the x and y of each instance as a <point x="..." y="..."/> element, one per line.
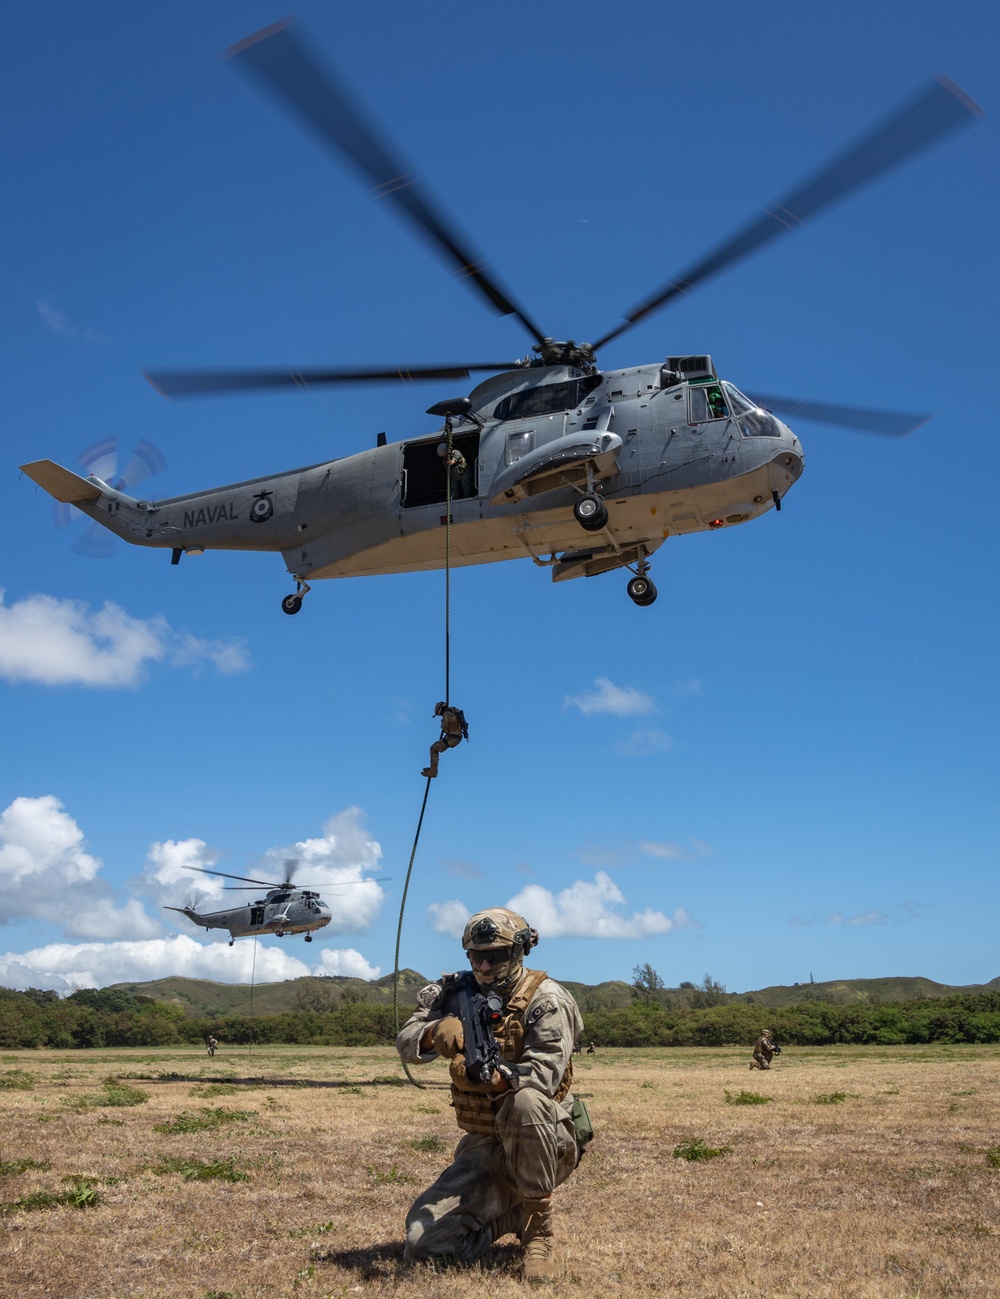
<point x="262" y="508"/>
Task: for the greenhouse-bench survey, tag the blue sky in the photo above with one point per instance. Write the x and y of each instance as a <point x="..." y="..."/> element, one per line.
<point x="784" y="768"/>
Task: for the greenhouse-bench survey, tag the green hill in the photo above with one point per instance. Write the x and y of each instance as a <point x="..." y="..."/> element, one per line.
<point x="203" y="997"/>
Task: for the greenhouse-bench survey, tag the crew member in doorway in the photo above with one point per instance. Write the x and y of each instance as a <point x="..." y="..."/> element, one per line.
<point x="454" y="728"/>
<point x="458" y="468"/>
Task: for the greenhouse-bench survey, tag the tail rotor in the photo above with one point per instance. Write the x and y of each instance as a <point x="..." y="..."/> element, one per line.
<point x="103" y="460"/>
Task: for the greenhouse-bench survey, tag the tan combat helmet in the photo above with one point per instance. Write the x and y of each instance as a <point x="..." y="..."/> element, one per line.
<point x="494" y="929"/>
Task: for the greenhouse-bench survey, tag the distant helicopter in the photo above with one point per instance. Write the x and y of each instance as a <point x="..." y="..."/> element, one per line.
<point x="284" y="909"/>
<point x="580" y="470"/>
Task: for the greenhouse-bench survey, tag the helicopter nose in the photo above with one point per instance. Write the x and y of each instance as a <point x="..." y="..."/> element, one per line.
<point x="786" y="465"/>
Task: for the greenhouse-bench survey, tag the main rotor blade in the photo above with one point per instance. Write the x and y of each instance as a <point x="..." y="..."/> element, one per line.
<point x="889" y="422"/>
<point x="936" y="111"/>
<point x="282" y="61"/>
<point x="316" y="888"/>
<point x="192" y="383"/>
<point x="205" y="870"/>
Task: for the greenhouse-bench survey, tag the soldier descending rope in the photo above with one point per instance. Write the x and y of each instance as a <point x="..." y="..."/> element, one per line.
<point x="454" y="728"/>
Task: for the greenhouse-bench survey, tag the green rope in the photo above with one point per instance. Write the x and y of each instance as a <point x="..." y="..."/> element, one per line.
<point x="447" y="697"/>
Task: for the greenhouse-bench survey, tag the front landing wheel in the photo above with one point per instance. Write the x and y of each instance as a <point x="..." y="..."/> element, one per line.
<point x="291" y="604"/>
<point x="641" y="591"/>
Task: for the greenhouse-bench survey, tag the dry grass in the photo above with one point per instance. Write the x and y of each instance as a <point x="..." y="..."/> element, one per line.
<point x="867" y="1176"/>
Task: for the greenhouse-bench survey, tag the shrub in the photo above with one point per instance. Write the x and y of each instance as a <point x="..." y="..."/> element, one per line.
<point x="695" y="1149"/>
<point x="747" y="1098"/>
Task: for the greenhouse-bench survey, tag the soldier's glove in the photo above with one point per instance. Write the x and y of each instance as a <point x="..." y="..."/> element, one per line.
<point x="448" y="1038"/>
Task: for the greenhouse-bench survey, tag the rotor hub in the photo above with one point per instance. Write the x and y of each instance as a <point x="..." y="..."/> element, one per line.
<point x="551" y="351"/>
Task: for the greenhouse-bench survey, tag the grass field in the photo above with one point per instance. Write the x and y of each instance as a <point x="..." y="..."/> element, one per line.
<point x="866" y="1173"/>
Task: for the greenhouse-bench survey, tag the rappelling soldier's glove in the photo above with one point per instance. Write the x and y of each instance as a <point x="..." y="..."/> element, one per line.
<point x="448" y="1038"/>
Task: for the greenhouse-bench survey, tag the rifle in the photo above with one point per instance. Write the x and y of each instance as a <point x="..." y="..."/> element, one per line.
<point x="478" y="1012"/>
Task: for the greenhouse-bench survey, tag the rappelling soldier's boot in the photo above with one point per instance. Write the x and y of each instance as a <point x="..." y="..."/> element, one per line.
<point x="539" y="1262"/>
<point x="429" y="772"/>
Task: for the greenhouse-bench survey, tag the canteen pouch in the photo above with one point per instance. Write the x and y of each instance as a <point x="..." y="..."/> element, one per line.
<point x="582" y="1125"/>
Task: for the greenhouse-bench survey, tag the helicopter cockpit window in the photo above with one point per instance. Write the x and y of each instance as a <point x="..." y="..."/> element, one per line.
<point x="518" y="445"/>
<point x="753" y="422"/>
<point x="546" y="399"/>
<point x="707" y="402"/>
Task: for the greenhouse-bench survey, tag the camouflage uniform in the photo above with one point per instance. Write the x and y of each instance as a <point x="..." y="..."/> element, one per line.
<point x="452" y="731"/>
<point x="461" y="479"/>
<point x="210" y="1045"/>
<point x="763" y="1052"/>
<point x="519" y="1144"/>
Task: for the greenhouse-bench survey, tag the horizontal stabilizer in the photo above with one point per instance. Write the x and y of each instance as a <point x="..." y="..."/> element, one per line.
<point x="61" y="483"/>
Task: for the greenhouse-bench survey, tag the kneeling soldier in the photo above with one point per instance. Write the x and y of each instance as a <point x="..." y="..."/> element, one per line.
<point x="520" y="1140"/>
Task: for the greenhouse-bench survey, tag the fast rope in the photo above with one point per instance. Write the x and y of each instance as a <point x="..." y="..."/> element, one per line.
<point x="253" y="972"/>
<point x="447" y="697"/>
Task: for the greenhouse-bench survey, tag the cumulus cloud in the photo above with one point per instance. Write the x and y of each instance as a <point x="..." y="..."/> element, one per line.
<point x="587" y="909"/>
<point x="335" y="864"/>
<point x="606" y="697"/>
<point x="68" y="966"/>
<point x="60" y="324"/>
<point x="54" y="642"/>
<point x="448" y="917"/>
<point x="46" y="873"/>
<point x="348" y="963"/>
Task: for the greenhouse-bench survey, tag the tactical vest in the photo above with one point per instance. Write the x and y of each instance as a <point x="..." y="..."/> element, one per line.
<point x="474" y="1110"/>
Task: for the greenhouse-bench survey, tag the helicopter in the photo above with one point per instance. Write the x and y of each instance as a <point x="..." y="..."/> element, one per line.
<point x="581" y="470"/>
<point x="284" y="909"/>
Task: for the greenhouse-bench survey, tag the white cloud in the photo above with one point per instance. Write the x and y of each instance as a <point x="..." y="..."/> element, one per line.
<point x="335" y="864"/>
<point x="663" y="851"/>
<point x="54" y="642"/>
<point x="349" y="963"/>
<point x="68" y="966"/>
<point x="587" y="909"/>
<point x="621" y="701"/>
<point x="448" y="917"/>
<point x="644" y="743"/>
<point x="864" y="918"/>
<point x="60" y="324"/>
<point x="46" y="874"/>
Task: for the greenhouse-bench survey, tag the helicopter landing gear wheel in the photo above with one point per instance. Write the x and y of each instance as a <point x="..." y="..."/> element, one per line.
<point x="641" y="590"/>
<point x="231" y="941"/>
<point x="293" y="603"/>
<point x="591" y="513"/>
<point x="309" y="938"/>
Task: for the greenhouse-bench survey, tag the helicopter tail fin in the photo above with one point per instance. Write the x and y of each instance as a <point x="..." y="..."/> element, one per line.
<point x="61" y="483"/>
<point x="186" y="911"/>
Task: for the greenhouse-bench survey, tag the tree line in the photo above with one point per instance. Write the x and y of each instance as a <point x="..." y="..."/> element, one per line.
<point x="112" y="1017"/>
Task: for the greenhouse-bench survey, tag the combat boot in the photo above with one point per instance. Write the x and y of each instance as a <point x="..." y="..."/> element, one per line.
<point x="539" y="1263"/>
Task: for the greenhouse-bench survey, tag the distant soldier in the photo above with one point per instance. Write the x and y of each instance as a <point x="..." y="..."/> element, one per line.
<point x="591" y="1047"/>
<point x="454" y="728"/>
<point x="764" y="1050"/>
<point x="210" y="1044"/>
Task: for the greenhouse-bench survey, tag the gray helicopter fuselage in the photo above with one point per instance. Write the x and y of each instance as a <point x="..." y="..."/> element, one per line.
<point x="288" y="912"/>
<point x="665" y="453"/>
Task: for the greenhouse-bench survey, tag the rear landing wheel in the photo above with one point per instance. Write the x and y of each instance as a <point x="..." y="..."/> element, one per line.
<point x="641" y="591"/>
<point x="309" y="938"/>
<point x="591" y="513"/>
<point x="291" y="604"/>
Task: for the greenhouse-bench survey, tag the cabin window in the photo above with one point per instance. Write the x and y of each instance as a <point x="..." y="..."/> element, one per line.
<point x="753" y="422"/>
<point x="518" y="445"/>
<point x="424" y="475"/>
<point x="546" y="399"/>
<point x="707" y="402"/>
